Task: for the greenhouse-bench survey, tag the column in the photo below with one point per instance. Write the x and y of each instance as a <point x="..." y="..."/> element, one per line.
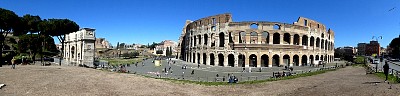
<point x="281" y="39"/>
<point x="259" y="38"/>
<point x="291" y="40"/>
<point x="247" y="37"/>
<point x="216" y="60"/>
<point x="281" y="59"/>
<point x="208" y="59"/>
<point x="270" y="61"/>
<point x="201" y="58"/>
<point x="246" y="61"/>
<point x="236" y="64"/>
<point x="226" y="60"/>
<point x="300" y="40"/>
<point x="308" y="42"/>
<point x="271" y="39"/>
<point x="300" y="58"/>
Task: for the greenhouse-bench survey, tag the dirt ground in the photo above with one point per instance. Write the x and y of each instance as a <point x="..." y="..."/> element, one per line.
<point x="75" y="81"/>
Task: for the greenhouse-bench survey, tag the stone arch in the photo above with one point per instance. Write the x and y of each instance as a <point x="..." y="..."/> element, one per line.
<point x="296" y="60"/>
<point x="253" y="60"/>
<point x="318" y="42"/>
<point x="296" y="39"/>
<point x="230" y="37"/>
<point x="254" y="26"/>
<point x="304" y="60"/>
<point x="322" y="44"/>
<point x="322" y="35"/>
<point x="212" y="59"/>
<point x="265" y="35"/>
<point x="312" y="41"/>
<point x="194" y="58"/>
<point x="276" y="27"/>
<point x="253" y="37"/>
<point x="286" y="38"/>
<point x="326" y="44"/>
<point x="286" y="59"/>
<point x="205" y="39"/>
<point x="304" y="40"/>
<point x="198" y="58"/>
<point x="204" y="58"/>
<point x="276" y="38"/>
<point x="241" y="61"/>
<point x="317" y="57"/>
<point x="199" y="36"/>
<point x="322" y="58"/>
<point x="311" y="59"/>
<point x="326" y="58"/>
<point x="221" y="39"/>
<point x="221" y="59"/>
<point x="73" y="52"/>
<point x="264" y="60"/>
<point x="231" y="60"/>
<point x="242" y="37"/>
<point x="275" y="60"/>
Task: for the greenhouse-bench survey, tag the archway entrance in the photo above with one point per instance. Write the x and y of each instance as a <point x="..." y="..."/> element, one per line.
<point x="253" y="60"/>
<point x="286" y="60"/>
<point x="311" y="59"/>
<point x="296" y="60"/>
<point x="220" y="60"/>
<point x="275" y="60"/>
<point x="212" y="59"/>
<point x="304" y="60"/>
<point x="231" y="60"/>
<point x="204" y="58"/>
<point x="264" y="60"/>
<point x="198" y="58"/>
<point x="241" y="60"/>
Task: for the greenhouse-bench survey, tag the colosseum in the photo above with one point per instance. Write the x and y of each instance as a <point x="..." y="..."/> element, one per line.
<point x="218" y="41"/>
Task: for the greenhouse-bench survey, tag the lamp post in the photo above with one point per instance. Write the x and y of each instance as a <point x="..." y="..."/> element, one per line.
<point x="377" y="38"/>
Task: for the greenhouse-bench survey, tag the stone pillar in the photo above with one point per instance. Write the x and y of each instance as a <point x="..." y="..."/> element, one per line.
<point x="300" y="40"/>
<point x="258" y="60"/>
<point x="308" y="42"/>
<point x="247" y="36"/>
<point x="246" y="61"/>
<point x="226" y="60"/>
<point x="291" y="40"/>
<point x="270" y="61"/>
<point x="259" y="38"/>
<point x="208" y="60"/>
<point x="201" y="58"/>
<point x="271" y="39"/>
<point x="216" y="60"/>
<point x="281" y="39"/>
<point x="236" y="63"/>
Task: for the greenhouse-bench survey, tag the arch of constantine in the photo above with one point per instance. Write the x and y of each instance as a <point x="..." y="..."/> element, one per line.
<point x="217" y="40"/>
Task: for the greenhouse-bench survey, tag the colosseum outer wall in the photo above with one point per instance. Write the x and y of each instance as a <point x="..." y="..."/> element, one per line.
<point x="217" y="40"/>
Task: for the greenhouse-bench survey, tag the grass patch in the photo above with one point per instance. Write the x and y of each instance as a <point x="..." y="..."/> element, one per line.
<point x="118" y="61"/>
<point x="359" y="65"/>
<point x="243" y="82"/>
<point x="391" y="78"/>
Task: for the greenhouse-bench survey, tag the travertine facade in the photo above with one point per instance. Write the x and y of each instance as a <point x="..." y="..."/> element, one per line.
<point x="102" y="43"/>
<point x="217" y="40"/>
<point x="80" y="47"/>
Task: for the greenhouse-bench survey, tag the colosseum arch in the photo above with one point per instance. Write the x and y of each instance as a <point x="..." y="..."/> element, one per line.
<point x="304" y="60"/>
<point x="253" y="60"/>
<point x="275" y="60"/>
<point x="199" y="36"/>
<point x="312" y="41"/>
<point x="286" y="60"/>
<point x="231" y="60"/>
<point x="253" y="37"/>
<point x="296" y="39"/>
<point x="311" y="59"/>
<point x="205" y="39"/>
<point x="286" y="38"/>
<point x="276" y="38"/>
<point x="254" y="26"/>
<point x="322" y="44"/>
<point x="221" y="59"/>
<point x="304" y="40"/>
<point x="318" y="42"/>
<point x="242" y="37"/>
<point x="322" y="58"/>
<point x="265" y="35"/>
<point x="264" y="60"/>
<point x="296" y="60"/>
<point x="198" y="58"/>
<point x="194" y="58"/>
<point x="212" y="59"/>
<point x="221" y="39"/>
<point x="204" y="58"/>
<point x="317" y="57"/>
<point x="277" y="27"/>
<point x="241" y="61"/>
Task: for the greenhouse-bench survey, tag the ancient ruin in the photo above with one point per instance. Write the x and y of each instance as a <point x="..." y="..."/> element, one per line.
<point x="217" y="40"/>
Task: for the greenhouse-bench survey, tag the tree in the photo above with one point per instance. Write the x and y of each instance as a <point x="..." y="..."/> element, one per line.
<point x="59" y="28"/>
<point x="8" y="22"/>
<point x="395" y="46"/>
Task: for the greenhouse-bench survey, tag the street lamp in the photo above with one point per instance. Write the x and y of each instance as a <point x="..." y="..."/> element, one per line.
<point x="377" y="38"/>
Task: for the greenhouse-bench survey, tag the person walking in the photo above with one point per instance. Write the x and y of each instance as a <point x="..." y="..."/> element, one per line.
<point x="13" y="63"/>
<point x="386" y="70"/>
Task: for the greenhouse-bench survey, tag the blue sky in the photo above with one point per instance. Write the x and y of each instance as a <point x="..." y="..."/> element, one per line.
<point x="146" y="21"/>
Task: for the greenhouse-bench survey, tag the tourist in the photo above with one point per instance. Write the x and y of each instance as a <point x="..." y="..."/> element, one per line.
<point x="198" y="65"/>
<point x="386" y="70"/>
<point x="192" y="72"/>
<point x="13" y="63"/>
<point x="217" y="75"/>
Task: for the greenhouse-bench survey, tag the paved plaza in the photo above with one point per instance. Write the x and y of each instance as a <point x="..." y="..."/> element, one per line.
<point x="209" y="73"/>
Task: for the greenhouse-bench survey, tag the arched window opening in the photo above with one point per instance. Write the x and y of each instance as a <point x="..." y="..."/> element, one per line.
<point x="254" y="26"/>
<point x="221" y="39"/>
<point x="265" y="35"/>
<point x="277" y="27"/>
<point x="286" y="38"/>
<point x="276" y="39"/>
